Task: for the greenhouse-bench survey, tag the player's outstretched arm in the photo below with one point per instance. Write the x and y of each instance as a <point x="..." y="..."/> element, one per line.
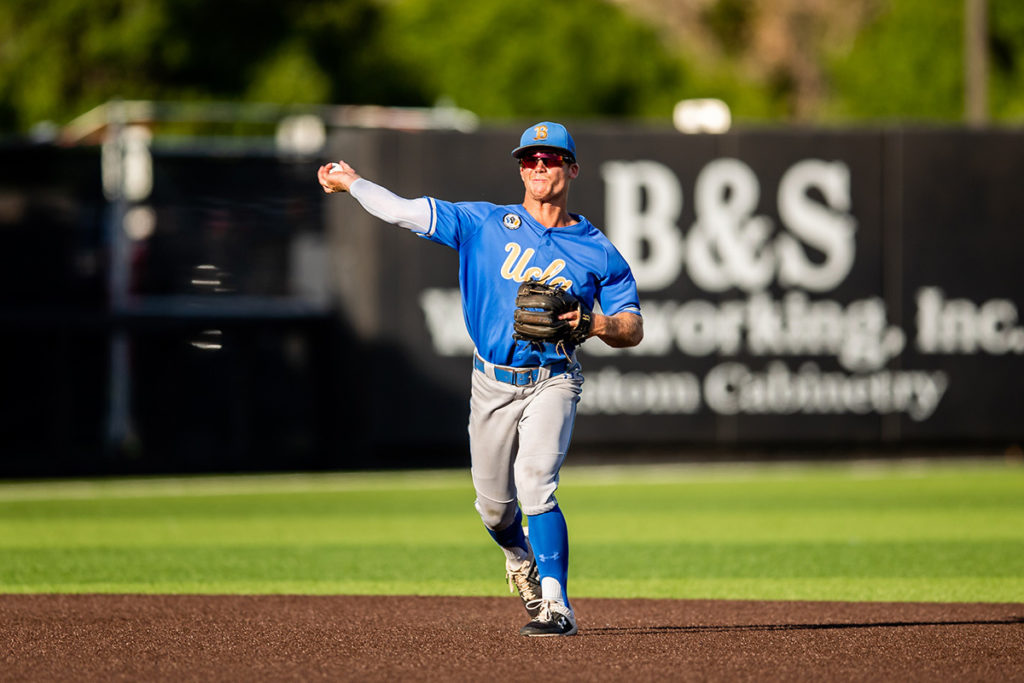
<point x="412" y="214"/>
<point x="619" y="330"/>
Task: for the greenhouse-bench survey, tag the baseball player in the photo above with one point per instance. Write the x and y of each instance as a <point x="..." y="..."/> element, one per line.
<point x="525" y="384"/>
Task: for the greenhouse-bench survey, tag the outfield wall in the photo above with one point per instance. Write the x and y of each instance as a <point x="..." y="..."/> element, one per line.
<point x="811" y="286"/>
<point x="850" y="289"/>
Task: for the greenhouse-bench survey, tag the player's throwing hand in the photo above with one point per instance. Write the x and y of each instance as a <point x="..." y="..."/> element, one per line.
<point x="336" y="177"/>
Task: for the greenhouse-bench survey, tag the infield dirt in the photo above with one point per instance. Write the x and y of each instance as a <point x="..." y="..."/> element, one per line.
<point x="364" y="638"/>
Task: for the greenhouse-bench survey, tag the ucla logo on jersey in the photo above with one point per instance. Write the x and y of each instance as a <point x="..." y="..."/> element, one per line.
<point x="511" y="221"/>
<point x="518" y="269"/>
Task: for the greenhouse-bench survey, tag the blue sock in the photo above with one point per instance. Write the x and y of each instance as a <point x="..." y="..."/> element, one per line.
<point x="511" y="536"/>
<point x="550" y="539"/>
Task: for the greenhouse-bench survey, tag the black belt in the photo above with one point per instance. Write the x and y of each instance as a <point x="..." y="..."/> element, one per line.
<point x="519" y="377"/>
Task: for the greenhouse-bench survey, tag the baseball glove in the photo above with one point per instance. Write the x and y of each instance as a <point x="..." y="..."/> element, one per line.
<point x="538" y="306"/>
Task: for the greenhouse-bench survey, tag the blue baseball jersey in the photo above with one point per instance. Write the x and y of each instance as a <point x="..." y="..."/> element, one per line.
<point x="500" y="247"/>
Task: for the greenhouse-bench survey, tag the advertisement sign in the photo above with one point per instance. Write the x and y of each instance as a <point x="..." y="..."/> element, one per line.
<point x="796" y="286"/>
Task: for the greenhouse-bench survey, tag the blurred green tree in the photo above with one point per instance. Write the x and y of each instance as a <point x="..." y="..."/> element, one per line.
<point x="505" y="58"/>
<point x="59" y="58"/>
<point x="907" y="64"/>
<point x="536" y="58"/>
<point x="1006" y="50"/>
<point x="771" y="60"/>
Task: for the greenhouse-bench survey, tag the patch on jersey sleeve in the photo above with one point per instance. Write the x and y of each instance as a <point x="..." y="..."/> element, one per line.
<point x="511" y="221"/>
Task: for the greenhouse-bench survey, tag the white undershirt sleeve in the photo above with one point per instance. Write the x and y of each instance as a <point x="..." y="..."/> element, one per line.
<point x="411" y="214"/>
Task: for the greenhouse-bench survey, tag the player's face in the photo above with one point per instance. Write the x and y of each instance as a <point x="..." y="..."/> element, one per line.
<point x="546" y="174"/>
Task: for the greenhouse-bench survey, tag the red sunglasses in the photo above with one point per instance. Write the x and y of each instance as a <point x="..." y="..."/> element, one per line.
<point x="550" y="159"/>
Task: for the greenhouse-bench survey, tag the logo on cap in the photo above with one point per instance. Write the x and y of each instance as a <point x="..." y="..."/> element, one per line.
<point x="540" y="132"/>
<point x="511" y="221"/>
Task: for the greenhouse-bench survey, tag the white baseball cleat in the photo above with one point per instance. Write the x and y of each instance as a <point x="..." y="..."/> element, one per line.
<point x="527" y="581"/>
<point x="553" y="619"/>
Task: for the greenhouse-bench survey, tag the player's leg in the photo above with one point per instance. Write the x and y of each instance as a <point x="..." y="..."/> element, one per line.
<point x="550" y="536"/>
<point x="545" y="433"/>
<point x="493" y="432"/>
<point x="493" y="438"/>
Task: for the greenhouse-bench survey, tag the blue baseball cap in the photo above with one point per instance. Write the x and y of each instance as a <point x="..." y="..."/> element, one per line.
<point x="546" y="134"/>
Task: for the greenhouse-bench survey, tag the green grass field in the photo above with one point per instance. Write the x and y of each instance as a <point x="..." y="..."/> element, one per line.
<point x="915" y="531"/>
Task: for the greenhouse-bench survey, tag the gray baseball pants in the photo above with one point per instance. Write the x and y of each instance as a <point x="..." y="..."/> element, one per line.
<point x="518" y="438"/>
